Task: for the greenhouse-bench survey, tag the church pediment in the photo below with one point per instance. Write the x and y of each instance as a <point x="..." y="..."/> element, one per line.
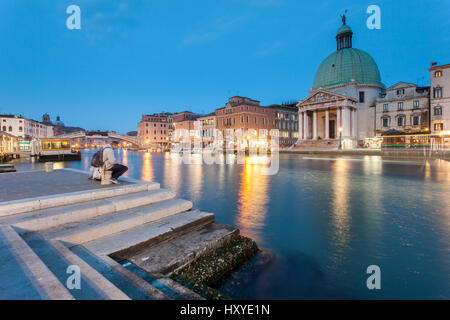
<point x="401" y="85"/>
<point x="322" y="96"/>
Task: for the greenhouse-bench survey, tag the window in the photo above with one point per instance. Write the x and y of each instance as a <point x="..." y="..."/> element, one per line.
<point x="4" y="128"/>
<point x="437" y="93"/>
<point x="385" y="107"/>
<point x="438" y="126"/>
<point x="400" y="121"/>
<point x="361" y="97"/>
<point x="400" y="106"/>
<point x="438" y="111"/>
<point x="385" y="122"/>
<point x="400" y="92"/>
<point x="10" y="129"/>
<point x="416" y="121"/>
<point x="438" y="74"/>
<point x="416" y="104"/>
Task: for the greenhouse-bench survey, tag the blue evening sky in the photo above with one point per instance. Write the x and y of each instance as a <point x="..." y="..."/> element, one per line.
<point x="135" y="57"/>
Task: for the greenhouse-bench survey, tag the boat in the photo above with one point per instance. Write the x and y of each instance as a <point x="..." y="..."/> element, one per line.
<point x="55" y="149"/>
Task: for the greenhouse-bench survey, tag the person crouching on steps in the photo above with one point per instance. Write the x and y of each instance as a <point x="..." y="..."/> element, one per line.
<point x="109" y="162"/>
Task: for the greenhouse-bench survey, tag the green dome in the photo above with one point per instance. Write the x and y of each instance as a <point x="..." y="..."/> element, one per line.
<point x="346" y="64"/>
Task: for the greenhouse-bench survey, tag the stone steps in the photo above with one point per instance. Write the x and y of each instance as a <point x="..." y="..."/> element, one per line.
<point x="332" y="143"/>
<point x="133" y="286"/>
<point x="28" y="277"/>
<point x="58" y="258"/>
<point x="54" y="217"/>
<point x="9" y="208"/>
<point x="106" y="225"/>
<point x="125" y="239"/>
<point x="172" y="255"/>
<point x="171" y="288"/>
<point x="125" y="244"/>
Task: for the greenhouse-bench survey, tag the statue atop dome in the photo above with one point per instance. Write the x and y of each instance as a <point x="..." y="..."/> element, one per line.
<point x="344" y="18"/>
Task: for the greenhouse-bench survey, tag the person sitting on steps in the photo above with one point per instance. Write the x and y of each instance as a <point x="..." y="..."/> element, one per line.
<point x="109" y="162"/>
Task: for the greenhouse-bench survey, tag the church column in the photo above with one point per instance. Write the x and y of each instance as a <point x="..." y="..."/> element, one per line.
<point x="315" y="128"/>
<point x="354" y="124"/>
<point x="338" y="123"/>
<point x="300" y="126"/>
<point x="346" y="122"/>
<point x="327" y="124"/>
<point x="305" y="125"/>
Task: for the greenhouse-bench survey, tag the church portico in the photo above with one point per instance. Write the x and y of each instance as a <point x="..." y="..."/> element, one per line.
<point x="326" y="116"/>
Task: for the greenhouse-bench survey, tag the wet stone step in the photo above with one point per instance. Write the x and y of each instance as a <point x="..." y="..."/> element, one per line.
<point x="180" y="251"/>
<point x="165" y="285"/>
<point x="131" y="289"/>
<point x="58" y="266"/>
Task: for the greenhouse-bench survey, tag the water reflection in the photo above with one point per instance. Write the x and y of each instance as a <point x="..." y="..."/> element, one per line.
<point x="172" y="178"/>
<point x="147" y="170"/>
<point x="195" y="176"/>
<point x="253" y="199"/>
<point x="125" y="161"/>
<point x="372" y="165"/>
<point x="340" y="204"/>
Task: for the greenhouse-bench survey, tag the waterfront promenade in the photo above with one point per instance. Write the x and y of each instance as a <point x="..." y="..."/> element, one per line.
<point x="52" y="223"/>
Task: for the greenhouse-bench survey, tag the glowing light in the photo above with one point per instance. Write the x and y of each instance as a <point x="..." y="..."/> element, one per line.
<point x="253" y="197"/>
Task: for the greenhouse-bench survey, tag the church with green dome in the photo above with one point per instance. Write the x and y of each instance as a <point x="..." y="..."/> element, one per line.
<point x="341" y="105"/>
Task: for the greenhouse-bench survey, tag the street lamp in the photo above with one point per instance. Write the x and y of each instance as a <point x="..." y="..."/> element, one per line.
<point x="340" y="138"/>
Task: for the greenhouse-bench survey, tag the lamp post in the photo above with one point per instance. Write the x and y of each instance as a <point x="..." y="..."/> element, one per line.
<point x="340" y="138"/>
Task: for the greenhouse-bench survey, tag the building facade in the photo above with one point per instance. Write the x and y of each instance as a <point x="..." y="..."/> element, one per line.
<point x="286" y="121"/>
<point x="155" y="130"/>
<point x="244" y="115"/>
<point x="184" y="116"/>
<point x="403" y="109"/>
<point x="25" y="128"/>
<point x="342" y="100"/>
<point x="208" y="126"/>
<point x="8" y="143"/>
<point x="440" y="99"/>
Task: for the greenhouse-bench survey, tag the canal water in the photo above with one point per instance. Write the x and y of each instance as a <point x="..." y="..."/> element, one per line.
<point x="323" y="221"/>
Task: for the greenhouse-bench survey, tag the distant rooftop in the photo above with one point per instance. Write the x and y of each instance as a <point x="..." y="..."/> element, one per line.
<point x="434" y="65"/>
